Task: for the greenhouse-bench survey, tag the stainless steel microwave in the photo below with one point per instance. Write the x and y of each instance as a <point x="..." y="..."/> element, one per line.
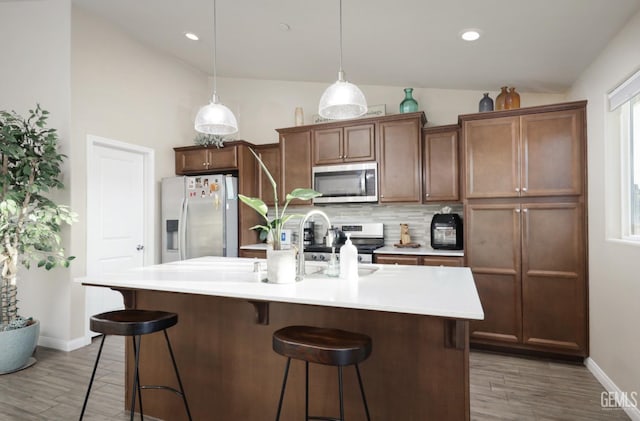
<point x="349" y="183"/>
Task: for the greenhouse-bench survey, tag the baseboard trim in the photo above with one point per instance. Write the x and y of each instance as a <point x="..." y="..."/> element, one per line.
<point x="63" y="345"/>
<point x="610" y="386"/>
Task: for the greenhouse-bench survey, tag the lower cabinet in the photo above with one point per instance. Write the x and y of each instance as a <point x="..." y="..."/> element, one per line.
<point x="398" y="259"/>
<point x="529" y="264"/>
<point x="259" y="254"/>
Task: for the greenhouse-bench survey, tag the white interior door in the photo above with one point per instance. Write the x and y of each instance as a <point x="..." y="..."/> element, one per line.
<point x="115" y="218"/>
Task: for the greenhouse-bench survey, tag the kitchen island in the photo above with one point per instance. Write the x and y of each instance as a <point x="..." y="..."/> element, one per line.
<point x="417" y="318"/>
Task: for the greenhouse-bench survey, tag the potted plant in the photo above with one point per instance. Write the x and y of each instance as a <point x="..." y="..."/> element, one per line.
<point x="280" y="263"/>
<point x="30" y="223"/>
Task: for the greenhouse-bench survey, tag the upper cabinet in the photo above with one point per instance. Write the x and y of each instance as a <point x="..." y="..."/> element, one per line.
<point x="338" y="145"/>
<point x="440" y="164"/>
<point x="270" y="157"/>
<point x="399" y="158"/>
<point x="295" y="162"/>
<point x="535" y="153"/>
<point x="205" y="159"/>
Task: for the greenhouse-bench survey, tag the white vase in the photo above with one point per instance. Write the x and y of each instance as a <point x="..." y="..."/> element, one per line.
<point x="281" y="266"/>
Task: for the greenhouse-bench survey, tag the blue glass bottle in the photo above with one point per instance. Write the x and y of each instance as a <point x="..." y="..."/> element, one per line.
<point x="408" y="105"/>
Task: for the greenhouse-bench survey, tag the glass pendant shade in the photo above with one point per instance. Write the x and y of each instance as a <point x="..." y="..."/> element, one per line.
<point x="342" y="100"/>
<point x="215" y="118"/>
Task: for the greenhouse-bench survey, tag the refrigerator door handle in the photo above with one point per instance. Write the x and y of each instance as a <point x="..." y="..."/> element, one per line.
<point x="182" y="230"/>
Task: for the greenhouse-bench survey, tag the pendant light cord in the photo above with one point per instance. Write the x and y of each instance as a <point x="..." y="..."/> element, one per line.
<point x="340" y="73"/>
<point x="215" y="39"/>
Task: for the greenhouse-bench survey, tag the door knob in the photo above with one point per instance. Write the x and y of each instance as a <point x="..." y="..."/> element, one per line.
<point x="139" y="247"/>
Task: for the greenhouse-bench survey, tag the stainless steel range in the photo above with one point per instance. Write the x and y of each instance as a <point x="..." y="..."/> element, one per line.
<point x="366" y="238"/>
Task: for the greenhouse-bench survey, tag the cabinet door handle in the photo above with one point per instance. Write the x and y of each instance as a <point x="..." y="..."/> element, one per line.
<point x="518" y="189"/>
<point x="524" y="189"/>
<point x="345" y="156"/>
<point x="382" y="196"/>
<point x="525" y="210"/>
<point x="517" y="210"/>
<point x="427" y="195"/>
<point x="205" y="164"/>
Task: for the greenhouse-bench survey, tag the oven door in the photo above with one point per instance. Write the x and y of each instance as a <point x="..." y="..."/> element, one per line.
<point x="346" y="183"/>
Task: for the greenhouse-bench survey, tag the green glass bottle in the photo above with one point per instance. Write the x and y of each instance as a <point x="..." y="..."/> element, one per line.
<point x="408" y="105"/>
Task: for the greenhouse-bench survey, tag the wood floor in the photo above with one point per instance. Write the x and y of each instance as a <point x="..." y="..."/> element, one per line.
<point x="502" y="388"/>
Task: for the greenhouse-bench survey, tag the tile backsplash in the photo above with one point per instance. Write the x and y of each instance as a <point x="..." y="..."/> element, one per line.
<point x="417" y="216"/>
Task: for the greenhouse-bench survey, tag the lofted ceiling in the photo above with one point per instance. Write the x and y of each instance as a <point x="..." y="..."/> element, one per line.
<point x="535" y="45"/>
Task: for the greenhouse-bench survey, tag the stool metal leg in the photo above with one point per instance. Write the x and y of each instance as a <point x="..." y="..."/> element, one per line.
<point x="340" y="387"/>
<point x="284" y="384"/>
<point x="93" y="375"/>
<point x="138" y="375"/>
<point x="306" y="391"/>
<point x="136" y="378"/>
<point x="175" y="367"/>
<point x="364" y="399"/>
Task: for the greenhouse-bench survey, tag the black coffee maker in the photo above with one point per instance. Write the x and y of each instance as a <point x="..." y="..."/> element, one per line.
<point x="309" y="235"/>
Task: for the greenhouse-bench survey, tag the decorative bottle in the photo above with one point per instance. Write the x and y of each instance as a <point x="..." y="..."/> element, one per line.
<point x="512" y="100"/>
<point x="349" y="260"/>
<point x="299" y="116"/>
<point x="501" y="98"/>
<point x="408" y="104"/>
<point x="486" y="103"/>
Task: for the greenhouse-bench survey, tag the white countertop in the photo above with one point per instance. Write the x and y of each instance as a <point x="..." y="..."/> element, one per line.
<point x="435" y="291"/>
<point x="421" y="251"/>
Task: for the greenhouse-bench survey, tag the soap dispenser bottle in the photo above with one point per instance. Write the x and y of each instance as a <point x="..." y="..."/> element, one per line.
<point x="349" y="260"/>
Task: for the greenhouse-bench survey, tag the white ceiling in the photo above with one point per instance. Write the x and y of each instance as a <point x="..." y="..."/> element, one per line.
<point x="535" y="45"/>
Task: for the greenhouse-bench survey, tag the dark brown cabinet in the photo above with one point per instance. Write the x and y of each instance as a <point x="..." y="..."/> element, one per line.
<point x="201" y="159"/>
<point x="399" y="259"/>
<point x="295" y="162"/>
<point x="396" y="259"/>
<point x="440" y="164"/>
<point x="338" y="145"/>
<point x="399" y="157"/>
<point x="270" y="157"/>
<point x="538" y="154"/>
<point x="525" y="228"/>
<point x="253" y="254"/>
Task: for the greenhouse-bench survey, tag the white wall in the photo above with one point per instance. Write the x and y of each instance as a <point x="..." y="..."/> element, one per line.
<point x="35" y="69"/>
<point x="261" y="106"/>
<point x="614" y="287"/>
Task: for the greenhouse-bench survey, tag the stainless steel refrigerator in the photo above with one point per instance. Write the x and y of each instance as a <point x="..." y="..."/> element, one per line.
<point x="199" y="217"/>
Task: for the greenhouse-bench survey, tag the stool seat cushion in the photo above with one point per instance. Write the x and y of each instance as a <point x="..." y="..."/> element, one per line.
<point x="322" y="345"/>
<point x="132" y="322"/>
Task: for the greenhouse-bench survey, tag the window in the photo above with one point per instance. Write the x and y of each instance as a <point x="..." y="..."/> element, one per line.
<point x="624" y="104"/>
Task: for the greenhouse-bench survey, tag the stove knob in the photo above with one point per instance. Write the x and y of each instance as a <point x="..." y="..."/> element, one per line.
<point x="359" y="258"/>
<point x="321" y="257"/>
<point x="314" y="257"/>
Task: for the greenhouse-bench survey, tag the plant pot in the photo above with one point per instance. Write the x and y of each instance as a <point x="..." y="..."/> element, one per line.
<point x="17" y="346"/>
<point x="281" y="266"/>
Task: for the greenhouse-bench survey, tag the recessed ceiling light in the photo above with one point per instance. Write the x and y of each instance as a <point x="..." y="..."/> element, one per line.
<point x="470" y="34"/>
<point x="285" y="27"/>
<point x="191" y="36"/>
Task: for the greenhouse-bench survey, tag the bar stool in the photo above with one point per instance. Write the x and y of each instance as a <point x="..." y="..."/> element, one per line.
<point x="135" y="323"/>
<point x="322" y="346"/>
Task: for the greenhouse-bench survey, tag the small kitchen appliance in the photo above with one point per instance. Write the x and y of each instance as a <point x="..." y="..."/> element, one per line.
<point x="309" y="233"/>
<point x="349" y="183"/>
<point x="446" y="231"/>
<point x="365" y="237"/>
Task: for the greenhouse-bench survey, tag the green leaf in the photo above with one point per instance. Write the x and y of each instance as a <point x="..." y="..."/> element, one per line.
<point x="255" y="203"/>
<point x="303" y="194"/>
<point x="268" y="173"/>
<point x="41" y="263"/>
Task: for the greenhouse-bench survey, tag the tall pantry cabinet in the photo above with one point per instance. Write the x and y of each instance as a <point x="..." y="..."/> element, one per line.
<point x="524" y="192"/>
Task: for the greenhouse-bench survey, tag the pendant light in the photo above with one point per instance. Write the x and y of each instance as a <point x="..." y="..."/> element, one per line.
<point x="343" y="99"/>
<point x="215" y="118"/>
